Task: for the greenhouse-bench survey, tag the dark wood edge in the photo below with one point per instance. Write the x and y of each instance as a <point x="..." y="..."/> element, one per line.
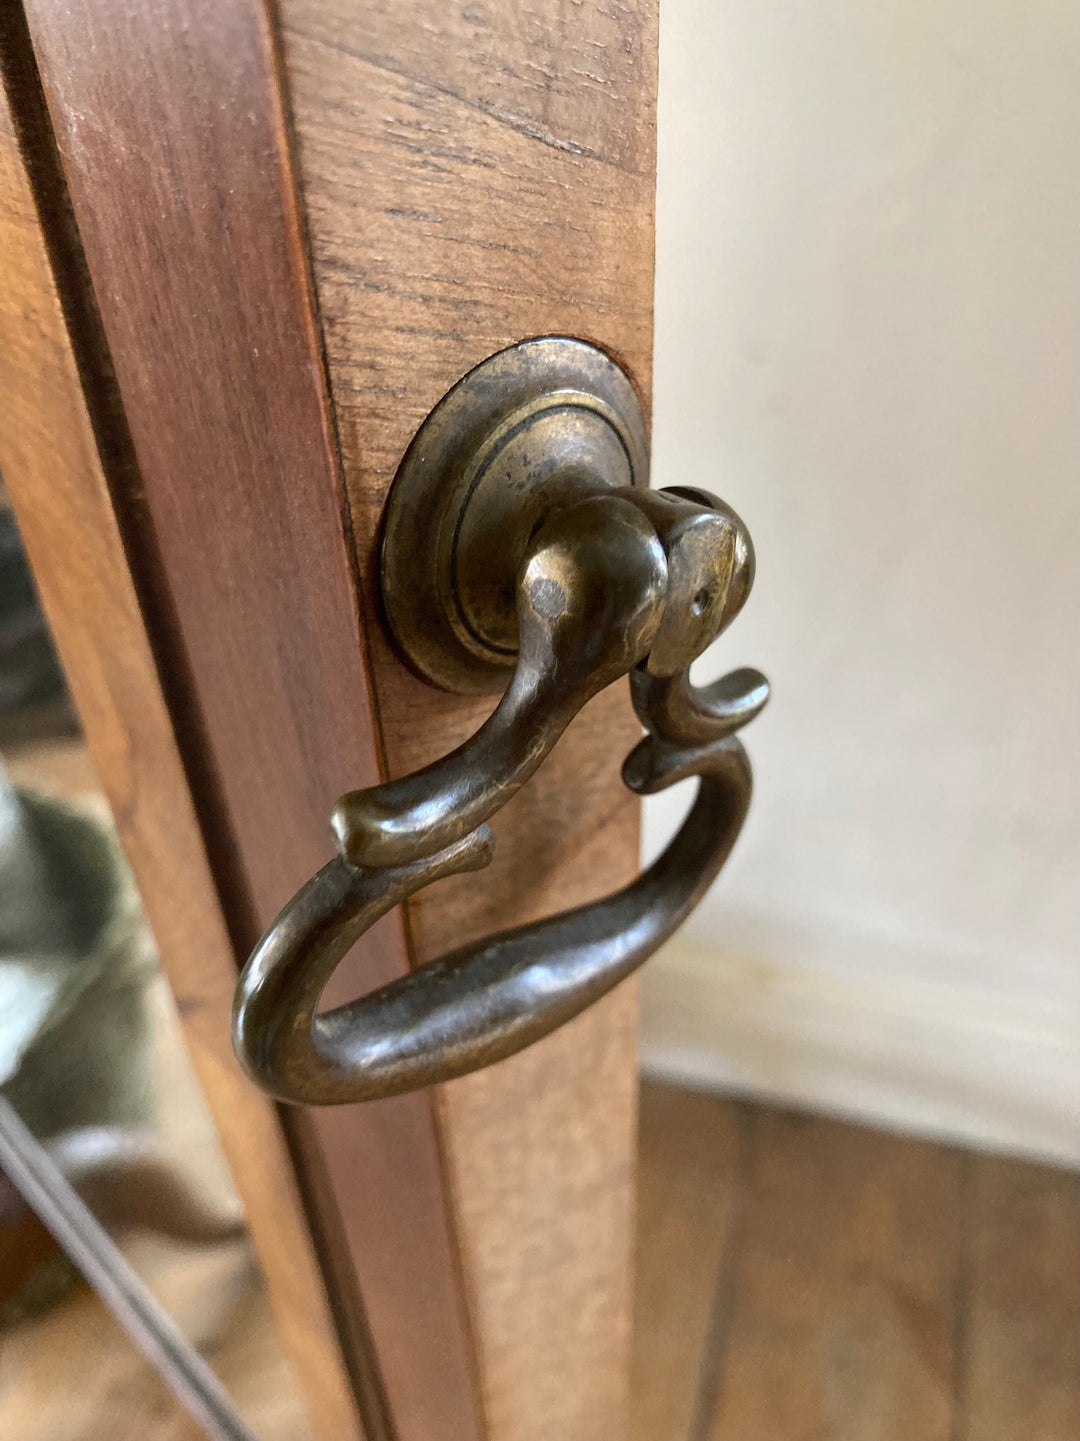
<point x="64" y="434"/>
<point x="169" y="125"/>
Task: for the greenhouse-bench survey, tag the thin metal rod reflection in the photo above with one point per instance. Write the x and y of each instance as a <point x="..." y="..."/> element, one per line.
<point x="44" y="1188"/>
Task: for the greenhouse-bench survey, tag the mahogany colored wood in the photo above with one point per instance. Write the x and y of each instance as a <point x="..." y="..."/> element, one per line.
<point x="54" y="475"/>
<point x="473" y="175"/>
<point x="168" y="121"/>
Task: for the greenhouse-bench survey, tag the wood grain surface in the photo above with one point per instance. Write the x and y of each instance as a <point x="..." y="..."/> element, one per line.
<point x="168" y="122"/>
<point x="1015" y="1310"/>
<point x="690" y="1203"/>
<point x="863" y="1285"/>
<point x="842" y="1300"/>
<point x="1021" y="1330"/>
<point x="54" y="475"/>
<point x="474" y="174"/>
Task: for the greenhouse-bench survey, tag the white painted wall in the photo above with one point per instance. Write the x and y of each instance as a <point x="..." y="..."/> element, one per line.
<point x="867" y="335"/>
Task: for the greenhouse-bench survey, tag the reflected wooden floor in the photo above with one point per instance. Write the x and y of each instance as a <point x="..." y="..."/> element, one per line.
<point x="805" y="1280"/>
<point x="71" y="1374"/>
<point x="799" y="1280"/>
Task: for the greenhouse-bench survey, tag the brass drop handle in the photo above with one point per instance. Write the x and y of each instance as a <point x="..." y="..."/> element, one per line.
<point x="527" y="485"/>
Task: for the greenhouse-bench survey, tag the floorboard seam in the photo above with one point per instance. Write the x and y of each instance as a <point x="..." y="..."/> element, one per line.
<point x="958" y="1423"/>
<point x="710" y="1379"/>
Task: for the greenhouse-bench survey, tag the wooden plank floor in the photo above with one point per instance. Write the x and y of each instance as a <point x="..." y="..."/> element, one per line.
<point x="798" y="1280"/>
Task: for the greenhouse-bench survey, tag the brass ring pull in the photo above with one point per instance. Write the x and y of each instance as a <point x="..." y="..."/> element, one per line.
<point x="611" y="579"/>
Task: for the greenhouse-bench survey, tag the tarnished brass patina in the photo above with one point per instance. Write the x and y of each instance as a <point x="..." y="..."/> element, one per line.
<point x="524" y="434"/>
<point x="522" y="550"/>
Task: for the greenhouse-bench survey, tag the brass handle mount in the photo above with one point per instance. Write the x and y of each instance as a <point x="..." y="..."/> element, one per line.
<point x="523" y="552"/>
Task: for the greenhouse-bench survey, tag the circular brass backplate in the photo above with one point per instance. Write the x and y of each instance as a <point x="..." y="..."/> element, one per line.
<point x="528" y="431"/>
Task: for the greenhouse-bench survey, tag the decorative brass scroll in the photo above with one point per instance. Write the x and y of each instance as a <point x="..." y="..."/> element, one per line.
<point x="613" y="580"/>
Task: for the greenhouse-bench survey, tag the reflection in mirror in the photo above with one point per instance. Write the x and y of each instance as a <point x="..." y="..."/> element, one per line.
<point x="93" y="1062"/>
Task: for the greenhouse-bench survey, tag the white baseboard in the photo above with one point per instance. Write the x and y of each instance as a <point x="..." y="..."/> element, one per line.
<point x="955" y="1063"/>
